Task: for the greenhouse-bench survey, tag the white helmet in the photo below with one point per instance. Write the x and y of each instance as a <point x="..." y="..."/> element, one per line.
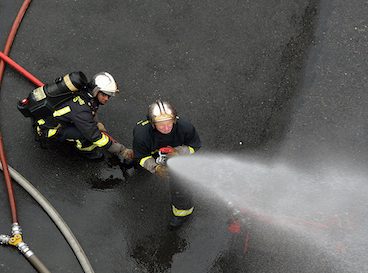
<point x="105" y="83"/>
<point x="161" y="111"/>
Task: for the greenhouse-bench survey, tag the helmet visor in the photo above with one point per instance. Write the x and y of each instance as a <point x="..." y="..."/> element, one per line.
<point x="109" y="93"/>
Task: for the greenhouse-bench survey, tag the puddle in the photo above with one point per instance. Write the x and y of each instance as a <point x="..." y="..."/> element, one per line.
<point x="112" y="174"/>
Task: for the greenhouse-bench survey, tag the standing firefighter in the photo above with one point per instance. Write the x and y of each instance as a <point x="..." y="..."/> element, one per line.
<point x="74" y="119"/>
<point x="163" y="128"/>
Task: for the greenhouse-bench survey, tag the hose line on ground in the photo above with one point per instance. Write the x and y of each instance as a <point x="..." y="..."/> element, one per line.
<point x="54" y="215"/>
<point x="20" y="69"/>
<point x="16" y="233"/>
<point x="17" y="241"/>
<point x="37" y="264"/>
<point x="9" y="185"/>
<point x="12" y="33"/>
<point x="78" y="251"/>
<point x="72" y="241"/>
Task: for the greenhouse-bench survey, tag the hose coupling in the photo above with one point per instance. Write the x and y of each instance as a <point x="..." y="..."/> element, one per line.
<point x="4" y="239"/>
<point x="23" y="247"/>
<point x="16" y="229"/>
<point x="15" y="240"/>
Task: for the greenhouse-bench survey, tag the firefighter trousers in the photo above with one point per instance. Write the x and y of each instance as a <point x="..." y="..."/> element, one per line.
<point x="181" y="198"/>
<point x="72" y="133"/>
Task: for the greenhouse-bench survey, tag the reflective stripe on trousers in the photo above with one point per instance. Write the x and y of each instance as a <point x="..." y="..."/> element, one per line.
<point x="80" y="147"/>
<point x="99" y="143"/>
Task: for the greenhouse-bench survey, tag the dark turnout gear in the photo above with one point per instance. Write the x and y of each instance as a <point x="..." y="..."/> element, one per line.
<point x="75" y="121"/>
<point x="44" y="100"/>
<point x="176" y="221"/>
<point x="147" y="141"/>
<point x="146" y="144"/>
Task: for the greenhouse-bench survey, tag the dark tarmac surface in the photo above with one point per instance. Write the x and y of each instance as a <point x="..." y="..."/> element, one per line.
<point x="270" y="78"/>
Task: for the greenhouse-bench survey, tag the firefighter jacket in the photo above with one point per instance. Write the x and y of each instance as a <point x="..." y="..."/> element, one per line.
<point x="80" y="111"/>
<point x="147" y="141"/>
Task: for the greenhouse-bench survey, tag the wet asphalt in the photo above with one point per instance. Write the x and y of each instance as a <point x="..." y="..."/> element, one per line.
<point x="270" y="78"/>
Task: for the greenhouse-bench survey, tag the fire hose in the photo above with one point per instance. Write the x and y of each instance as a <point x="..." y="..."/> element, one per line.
<point x="77" y="249"/>
<point x="16" y="238"/>
<point x="16" y="235"/>
<point x="54" y="215"/>
<point x="12" y="33"/>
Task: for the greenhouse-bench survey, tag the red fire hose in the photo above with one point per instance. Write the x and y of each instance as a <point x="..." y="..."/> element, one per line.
<point x="20" y="69"/>
<point x="8" y="182"/>
<point x="12" y="33"/>
<point x="16" y="235"/>
<point x="16" y="238"/>
<point x="3" y="56"/>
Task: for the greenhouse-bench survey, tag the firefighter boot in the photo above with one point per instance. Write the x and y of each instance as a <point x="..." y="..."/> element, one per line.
<point x="177" y="221"/>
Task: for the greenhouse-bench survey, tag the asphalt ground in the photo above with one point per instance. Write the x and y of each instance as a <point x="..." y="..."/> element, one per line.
<point x="270" y="78"/>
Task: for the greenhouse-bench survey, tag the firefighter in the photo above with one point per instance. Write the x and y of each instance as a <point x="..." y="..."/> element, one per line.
<point x="163" y="128"/>
<point x="75" y="120"/>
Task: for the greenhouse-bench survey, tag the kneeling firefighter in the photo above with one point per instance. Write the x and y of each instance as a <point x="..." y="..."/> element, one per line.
<point x="164" y="132"/>
<point x="66" y="112"/>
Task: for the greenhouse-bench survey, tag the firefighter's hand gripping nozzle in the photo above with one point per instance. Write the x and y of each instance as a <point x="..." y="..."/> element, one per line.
<point x="162" y="159"/>
<point x="163" y="155"/>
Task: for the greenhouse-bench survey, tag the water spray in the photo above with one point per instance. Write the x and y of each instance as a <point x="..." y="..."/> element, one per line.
<point x="321" y="207"/>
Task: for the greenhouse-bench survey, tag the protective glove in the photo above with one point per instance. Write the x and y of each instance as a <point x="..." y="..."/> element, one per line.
<point x="162" y="171"/>
<point x="126" y="153"/>
<point x="101" y="127"/>
<point x="182" y="150"/>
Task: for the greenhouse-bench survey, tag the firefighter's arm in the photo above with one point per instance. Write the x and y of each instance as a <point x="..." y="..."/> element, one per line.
<point x="142" y="153"/>
<point x="144" y="159"/>
<point x="148" y="163"/>
<point x="85" y="122"/>
<point x="119" y="149"/>
<point x="100" y="125"/>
